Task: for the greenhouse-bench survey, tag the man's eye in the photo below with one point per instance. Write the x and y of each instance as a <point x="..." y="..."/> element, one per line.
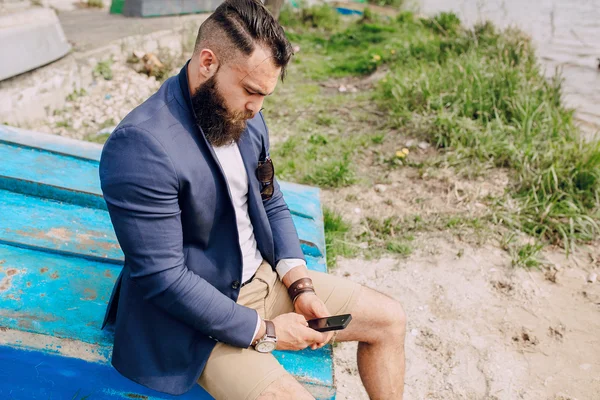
<point x="249" y="92"/>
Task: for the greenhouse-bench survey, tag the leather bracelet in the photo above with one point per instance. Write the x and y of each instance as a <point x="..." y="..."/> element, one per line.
<point x="299" y="293"/>
<point x="301" y="285"/>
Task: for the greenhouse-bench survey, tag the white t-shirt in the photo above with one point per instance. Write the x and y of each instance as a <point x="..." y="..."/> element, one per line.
<point x="237" y="179"/>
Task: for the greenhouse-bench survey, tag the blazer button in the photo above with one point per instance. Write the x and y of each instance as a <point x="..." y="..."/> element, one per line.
<point x="235" y="285"/>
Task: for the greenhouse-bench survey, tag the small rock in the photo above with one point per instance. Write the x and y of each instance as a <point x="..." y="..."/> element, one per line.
<point x="363" y="245"/>
<point x="296" y="49"/>
<point x="585" y="367"/>
<point x="424" y="145"/>
<point x="357" y="210"/>
<point x="432" y="319"/>
<point x="411" y="143"/>
<point x="592" y="277"/>
<point x="493" y="270"/>
<point x="139" y="54"/>
<point x="414" y="332"/>
<point x="380" y="188"/>
<point x="421" y="308"/>
<point x="342" y="89"/>
<point x="151" y="63"/>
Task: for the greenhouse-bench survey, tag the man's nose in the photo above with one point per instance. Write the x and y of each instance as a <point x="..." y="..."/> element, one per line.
<point x="254" y="106"/>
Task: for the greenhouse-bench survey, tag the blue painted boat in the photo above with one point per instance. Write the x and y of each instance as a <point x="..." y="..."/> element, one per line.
<point x="59" y="259"/>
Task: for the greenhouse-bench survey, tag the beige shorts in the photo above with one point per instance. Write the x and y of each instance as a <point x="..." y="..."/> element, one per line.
<point x="233" y="373"/>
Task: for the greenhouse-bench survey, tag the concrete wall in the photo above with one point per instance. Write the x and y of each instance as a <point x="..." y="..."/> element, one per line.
<point x="36" y="94"/>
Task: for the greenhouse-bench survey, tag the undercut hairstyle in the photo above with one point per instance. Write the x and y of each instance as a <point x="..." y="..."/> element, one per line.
<point x="237" y="26"/>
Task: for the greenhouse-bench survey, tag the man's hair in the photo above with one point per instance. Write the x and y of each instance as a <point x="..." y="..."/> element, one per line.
<point x="238" y="25"/>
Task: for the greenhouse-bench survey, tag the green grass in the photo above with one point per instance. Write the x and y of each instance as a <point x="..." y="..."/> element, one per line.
<point x="107" y="124"/>
<point x="336" y="237"/>
<point x="321" y="17"/>
<point x="491" y="104"/>
<point x="396" y="235"/>
<point x="479" y="96"/>
<point x="76" y="94"/>
<point x="332" y="174"/>
<point x="526" y="256"/>
<point x="95" y="3"/>
<point x="101" y="139"/>
<point x="324" y="145"/>
<point x="388" y="3"/>
<point x="104" y="69"/>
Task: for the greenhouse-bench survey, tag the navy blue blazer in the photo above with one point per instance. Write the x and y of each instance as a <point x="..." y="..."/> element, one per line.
<point x="172" y="213"/>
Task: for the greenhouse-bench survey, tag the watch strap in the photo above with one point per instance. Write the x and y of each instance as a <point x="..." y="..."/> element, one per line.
<point x="270" y="329"/>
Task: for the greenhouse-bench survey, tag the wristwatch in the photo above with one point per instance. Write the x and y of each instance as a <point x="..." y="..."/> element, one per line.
<point x="267" y="343"/>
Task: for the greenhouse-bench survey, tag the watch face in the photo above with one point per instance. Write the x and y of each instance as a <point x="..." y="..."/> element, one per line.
<point x="265" y="346"/>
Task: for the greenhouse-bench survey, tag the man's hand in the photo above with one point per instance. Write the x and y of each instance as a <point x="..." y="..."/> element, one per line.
<point x="310" y="306"/>
<point x="293" y="332"/>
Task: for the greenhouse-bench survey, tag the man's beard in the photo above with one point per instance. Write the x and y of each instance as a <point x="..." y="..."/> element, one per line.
<point x="221" y="127"/>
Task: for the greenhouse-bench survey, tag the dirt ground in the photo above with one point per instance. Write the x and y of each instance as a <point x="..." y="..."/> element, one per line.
<point x="478" y="328"/>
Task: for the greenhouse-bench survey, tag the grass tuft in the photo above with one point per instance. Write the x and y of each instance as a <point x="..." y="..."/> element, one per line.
<point x="336" y="242"/>
<point x="104" y="69"/>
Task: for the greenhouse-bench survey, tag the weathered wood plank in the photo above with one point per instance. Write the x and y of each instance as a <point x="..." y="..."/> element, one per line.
<point x="74" y="230"/>
<point x="55" y="295"/>
<point x="29" y="164"/>
<point x="66" y="228"/>
<point x="54" y="143"/>
<point x="73" y="165"/>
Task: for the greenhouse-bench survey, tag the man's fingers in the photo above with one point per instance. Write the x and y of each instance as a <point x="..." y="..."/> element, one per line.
<point x="314" y="336"/>
<point x="321" y="311"/>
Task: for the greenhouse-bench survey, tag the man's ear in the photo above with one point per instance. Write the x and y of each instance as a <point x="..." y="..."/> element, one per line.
<point x="208" y="63"/>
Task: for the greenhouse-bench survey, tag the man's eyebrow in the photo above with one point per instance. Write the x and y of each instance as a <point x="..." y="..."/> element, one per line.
<point x="256" y="90"/>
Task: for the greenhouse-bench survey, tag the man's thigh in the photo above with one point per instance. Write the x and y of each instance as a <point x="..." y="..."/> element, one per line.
<point x="339" y="295"/>
<point x="233" y="373"/>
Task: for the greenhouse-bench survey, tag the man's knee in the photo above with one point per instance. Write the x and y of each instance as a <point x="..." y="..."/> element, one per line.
<point x="393" y="317"/>
<point x="285" y="388"/>
<point x="398" y="319"/>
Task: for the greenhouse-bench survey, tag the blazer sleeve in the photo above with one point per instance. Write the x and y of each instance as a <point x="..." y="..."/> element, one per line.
<point x="140" y="187"/>
<point x="285" y="236"/>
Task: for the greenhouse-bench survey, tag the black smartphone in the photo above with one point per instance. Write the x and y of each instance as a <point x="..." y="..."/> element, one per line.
<point x="333" y="323"/>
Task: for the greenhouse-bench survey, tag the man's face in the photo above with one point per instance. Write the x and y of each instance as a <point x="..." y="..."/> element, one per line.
<point x="246" y="81"/>
<point x="233" y="95"/>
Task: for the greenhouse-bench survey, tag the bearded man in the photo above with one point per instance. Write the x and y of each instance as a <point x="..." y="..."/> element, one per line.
<point x="210" y="246"/>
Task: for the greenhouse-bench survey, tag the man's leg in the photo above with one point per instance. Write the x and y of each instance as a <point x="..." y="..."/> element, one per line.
<point x="379" y="325"/>
<point x="285" y="388"/>
<point x="245" y="374"/>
